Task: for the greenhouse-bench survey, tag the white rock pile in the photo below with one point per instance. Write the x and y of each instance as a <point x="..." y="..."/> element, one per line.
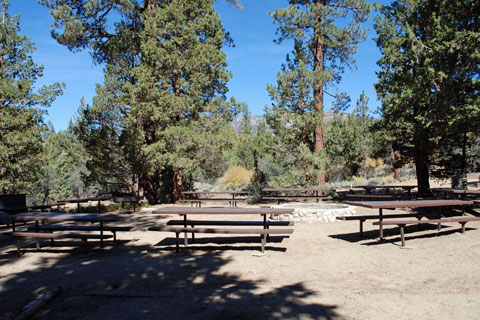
<point x="310" y="212"/>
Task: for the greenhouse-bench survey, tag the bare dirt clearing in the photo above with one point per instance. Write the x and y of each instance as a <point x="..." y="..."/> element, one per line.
<point x="322" y="271"/>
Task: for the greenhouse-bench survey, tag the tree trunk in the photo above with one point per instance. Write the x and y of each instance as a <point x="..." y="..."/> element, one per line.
<point x="396" y="161"/>
<point x="177" y="186"/>
<point x="423" y="177"/>
<point x="318" y="93"/>
<point x="149" y="4"/>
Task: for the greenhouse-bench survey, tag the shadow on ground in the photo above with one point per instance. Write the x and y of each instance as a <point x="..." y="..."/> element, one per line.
<point x="129" y="281"/>
<point x="392" y="234"/>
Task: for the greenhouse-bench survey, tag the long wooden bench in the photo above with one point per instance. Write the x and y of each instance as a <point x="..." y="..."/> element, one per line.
<point x="379" y="196"/>
<point x="363" y="218"/>
<point x="60" y="227"/>
<point x="278" y="199"/>
<point x="262" y="232"/>
<point x="198" y="202"/>
<point x="402" y="223"/>
<point x="194" y="223"/>
<point x="52" y="236"/>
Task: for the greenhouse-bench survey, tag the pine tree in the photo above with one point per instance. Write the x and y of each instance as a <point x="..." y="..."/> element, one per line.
<point x="177" y="103"/>
<point x="428" y="81"/>
<point x="321" y="51"/>
<point x="165" y="87"/>
<point x="21" y="115"/>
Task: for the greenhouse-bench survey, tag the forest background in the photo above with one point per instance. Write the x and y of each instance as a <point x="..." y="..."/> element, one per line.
<point x="161" y="123"/>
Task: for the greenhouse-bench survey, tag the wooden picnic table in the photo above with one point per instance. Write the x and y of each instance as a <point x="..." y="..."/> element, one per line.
<point x="199" y="196"/>
<point x="369" y="188"/>
<point x="380" y="205"/>
<point x="185" y="212"/>
<point x="460" y="192"/>
<point x="67" y="217"/>
<point x="127" y="199"/>
<point x="27" y="208"/>
<point x="286" y="194"/>
<point x="84" y="200"/>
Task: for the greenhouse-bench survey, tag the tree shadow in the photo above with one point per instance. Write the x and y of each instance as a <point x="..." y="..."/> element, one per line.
<point x="133" y="281"/>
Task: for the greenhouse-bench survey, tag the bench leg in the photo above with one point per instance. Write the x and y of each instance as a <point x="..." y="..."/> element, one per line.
<point x="264" y="241"/>
<point x="381" y="224"/>
<point x="177" y="248"/>
<point x="193" y="234"/>
<point x="101" y="234"/>
<point x="361" y="227"/>
<point x="402" y="234"/>
<point x="19" y="247"/>
<point x="463" y="226"/>
<point x="85" y="244"/>
<point x="114" y="236"/>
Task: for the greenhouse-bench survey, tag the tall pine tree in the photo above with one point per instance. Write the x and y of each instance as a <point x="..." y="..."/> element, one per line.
<point x="21" y="112"/>
<point x="322" y="49"/>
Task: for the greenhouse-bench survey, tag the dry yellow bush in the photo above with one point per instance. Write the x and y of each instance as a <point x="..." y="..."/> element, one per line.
<point x="373" y="163"/>
<point x="236" y="178"/>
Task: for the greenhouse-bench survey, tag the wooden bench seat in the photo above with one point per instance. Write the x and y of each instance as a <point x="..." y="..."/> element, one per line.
<point x="379" y="196"/>
<point x="290" y="198"/>
<point x="402" y="223"/>
<point x="363" y="218"/>
<point x="262" y="232"/>
<point x="24" y="234"/>
<point x="228" y="223"/>
<point x="60" y="227"/>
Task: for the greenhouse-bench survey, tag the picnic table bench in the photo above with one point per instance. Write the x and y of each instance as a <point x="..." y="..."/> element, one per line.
<point x="289" y="194"/>
<point x="101" y="219"/>
<point x="402" y="223"/>
<point x="381" y="205"/>
<point x="379" y="196"/>
<point x="264" y="233"/>
<point x="364" y="218"/>
<point x="62" y="227"/>
<point x="461" y="193"/>
<point x="127" y="199"/>
<point x="369" y="188"/>
<point x="196" y="197"/>
<point x="83" y="236"/>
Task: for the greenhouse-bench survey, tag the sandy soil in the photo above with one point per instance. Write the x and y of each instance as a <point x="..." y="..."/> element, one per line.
<point x="322" y="271"/>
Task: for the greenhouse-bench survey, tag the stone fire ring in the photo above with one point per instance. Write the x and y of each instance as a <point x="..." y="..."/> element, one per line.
<point x="313" y="212"/>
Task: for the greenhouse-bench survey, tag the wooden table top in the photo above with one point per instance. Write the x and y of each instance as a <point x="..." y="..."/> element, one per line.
<point x="85" y="200"/>
<point x="59" y="216"/>
<point x="384" y="187"/>
<point x="408" y="203"/>
<point x="295" y="189"/>
<point x="215" y="192"/>
<point x="232" y="211"/>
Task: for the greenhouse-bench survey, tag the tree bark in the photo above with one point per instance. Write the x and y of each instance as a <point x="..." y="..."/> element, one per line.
<point x="396" y="160"/>
<point x="421" y="166"/>
<point x="318" y="93"/>
<point x="177" y="186"/>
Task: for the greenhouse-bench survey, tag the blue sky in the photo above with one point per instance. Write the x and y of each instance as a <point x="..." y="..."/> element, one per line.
<point x="254" y="61"/>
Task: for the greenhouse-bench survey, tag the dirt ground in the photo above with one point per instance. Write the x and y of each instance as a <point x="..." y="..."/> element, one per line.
<point x="322" y="271"/>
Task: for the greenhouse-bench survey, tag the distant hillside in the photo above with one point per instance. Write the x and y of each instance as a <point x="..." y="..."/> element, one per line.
<point x="255" y="120"/>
